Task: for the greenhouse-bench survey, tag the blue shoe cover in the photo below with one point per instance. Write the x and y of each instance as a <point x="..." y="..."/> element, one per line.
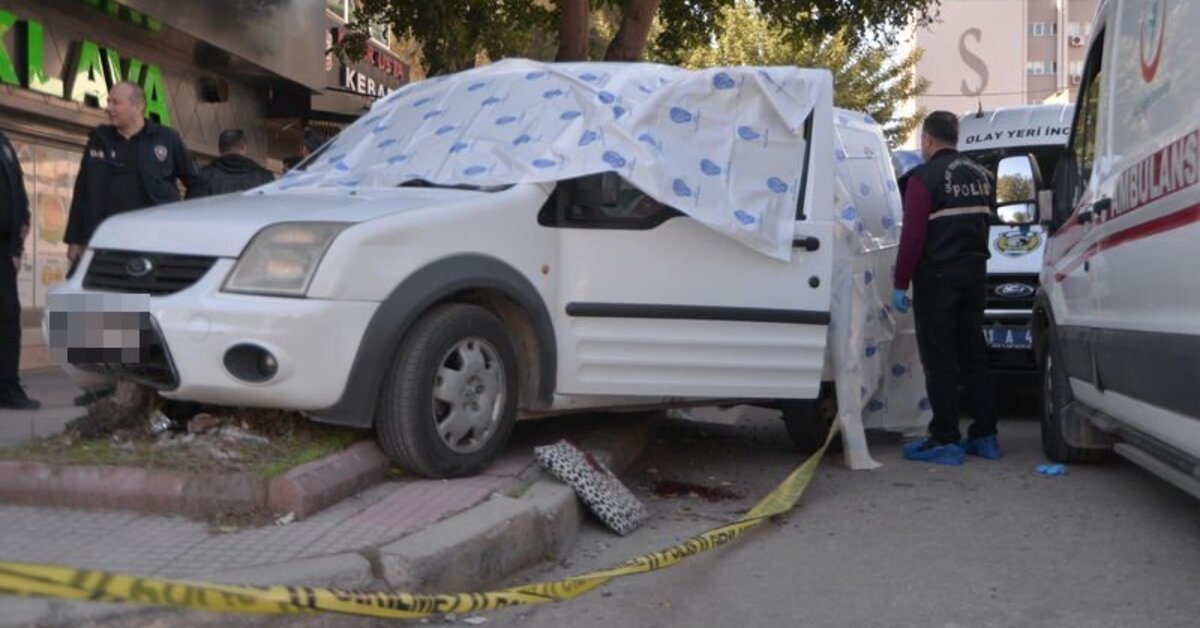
<point x="984" y="447"/>
<point x="949" y="454"/>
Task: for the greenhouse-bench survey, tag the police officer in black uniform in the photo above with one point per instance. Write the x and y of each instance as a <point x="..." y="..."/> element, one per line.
<point x="130" y="164"/>
<point x="14" y="226"/>
<point x="944" y="253"/>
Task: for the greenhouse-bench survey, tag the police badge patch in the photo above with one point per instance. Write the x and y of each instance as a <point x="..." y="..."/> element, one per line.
<point x="160" y="151"/>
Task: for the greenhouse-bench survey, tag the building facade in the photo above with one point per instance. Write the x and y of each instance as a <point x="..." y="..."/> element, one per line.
<point x="204" y="66"/>
<point x="1002" y="53"/>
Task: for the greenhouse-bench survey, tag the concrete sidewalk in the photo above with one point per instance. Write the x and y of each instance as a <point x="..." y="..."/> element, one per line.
<point x="54" y="389"/>
<point x="411" y="534"/>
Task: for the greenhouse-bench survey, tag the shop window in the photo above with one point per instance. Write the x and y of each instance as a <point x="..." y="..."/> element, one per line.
<point x="50" y="174"/>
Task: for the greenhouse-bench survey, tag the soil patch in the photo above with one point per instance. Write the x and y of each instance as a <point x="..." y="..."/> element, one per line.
<point x="263" y="442"/>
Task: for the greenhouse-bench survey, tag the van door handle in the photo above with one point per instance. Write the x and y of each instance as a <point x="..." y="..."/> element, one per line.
<point x="808" y="243"/>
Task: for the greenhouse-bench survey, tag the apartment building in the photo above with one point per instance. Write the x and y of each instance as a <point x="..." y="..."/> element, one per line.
<point x="1002" y="53"/>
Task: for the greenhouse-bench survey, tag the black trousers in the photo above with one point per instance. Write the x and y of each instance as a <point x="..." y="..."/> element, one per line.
<point x="10" y="325"/>
<point x="948" y="305"/>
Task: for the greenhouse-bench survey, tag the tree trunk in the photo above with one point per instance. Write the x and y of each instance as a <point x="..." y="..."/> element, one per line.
<point x="126" y="409"/>
<point x="130" y="397"/>
<point x="630" y="41"/>
<point x="573" y="31"/>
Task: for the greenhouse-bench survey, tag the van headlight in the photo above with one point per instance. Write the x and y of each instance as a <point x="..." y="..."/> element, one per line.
<point x="282" y="259"/>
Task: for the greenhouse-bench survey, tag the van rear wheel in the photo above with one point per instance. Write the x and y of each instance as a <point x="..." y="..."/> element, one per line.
<point x="1056" y="397"/>
<point x="450" y="402"/>
<point x="808" y="420"/>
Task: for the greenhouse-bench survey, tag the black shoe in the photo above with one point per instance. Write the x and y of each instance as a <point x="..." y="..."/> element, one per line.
<point x="19" y="402"/>
<point x="91" y="396"/>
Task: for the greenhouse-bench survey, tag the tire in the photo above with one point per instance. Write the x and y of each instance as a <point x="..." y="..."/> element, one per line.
<point x="808" y="420"/>
<point x="1056" y="396"/>
<point x="449" y="404"/>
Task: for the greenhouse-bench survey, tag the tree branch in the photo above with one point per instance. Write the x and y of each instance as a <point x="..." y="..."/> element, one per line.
<point x="630" y="41"/>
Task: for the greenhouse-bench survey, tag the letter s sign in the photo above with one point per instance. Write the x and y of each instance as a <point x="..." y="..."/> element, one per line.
<point x="973" y="61"/>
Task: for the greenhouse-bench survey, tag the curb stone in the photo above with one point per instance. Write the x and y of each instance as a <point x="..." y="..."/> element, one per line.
<point x="485" y="544"/>
<point x="304" y="490"/>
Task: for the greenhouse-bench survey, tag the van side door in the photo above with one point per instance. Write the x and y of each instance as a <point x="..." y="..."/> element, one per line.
<point x="651" y="303"/>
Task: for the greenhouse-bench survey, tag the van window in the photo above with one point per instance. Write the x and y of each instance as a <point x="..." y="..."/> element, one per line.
<point x="585" y="203"/>
<point x="1085" y="131"/>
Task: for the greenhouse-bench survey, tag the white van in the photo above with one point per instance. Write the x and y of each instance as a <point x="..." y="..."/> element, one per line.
<point x="498" y="244"/>
<point x="1118" y="318"/>
<point x="1039" y="132"/>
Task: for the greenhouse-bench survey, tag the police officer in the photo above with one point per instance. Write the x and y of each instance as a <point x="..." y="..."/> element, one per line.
<point x="130" y="164"/>
<point x="944" y="253"/>
<point x="233" y="171"/>
<point x="14" y="227"/>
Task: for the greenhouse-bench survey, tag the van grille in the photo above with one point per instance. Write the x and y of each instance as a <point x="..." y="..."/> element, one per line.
<point x="997" y="300"/>
<point x="122" y="271"/>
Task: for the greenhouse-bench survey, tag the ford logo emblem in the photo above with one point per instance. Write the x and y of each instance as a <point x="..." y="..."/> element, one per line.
<point x="139" y="267"/>
<point x="1014" y="290"/>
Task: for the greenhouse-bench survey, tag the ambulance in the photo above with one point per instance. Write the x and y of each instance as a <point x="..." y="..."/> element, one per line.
<point x="1117" y="322"/>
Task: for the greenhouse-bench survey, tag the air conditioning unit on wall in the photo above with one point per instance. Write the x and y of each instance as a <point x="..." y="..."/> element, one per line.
<point x="1076" y="79"/>
<point x="1076" y="41"/>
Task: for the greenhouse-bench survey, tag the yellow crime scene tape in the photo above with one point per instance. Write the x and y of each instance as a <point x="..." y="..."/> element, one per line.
<point x="71" y="583"/>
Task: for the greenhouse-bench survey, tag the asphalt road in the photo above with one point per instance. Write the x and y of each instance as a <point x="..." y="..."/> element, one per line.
<point x="988" y="544"/>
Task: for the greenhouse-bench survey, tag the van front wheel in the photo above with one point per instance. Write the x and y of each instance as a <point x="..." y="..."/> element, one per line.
<point x="1056" y="397"/>
<point x="450" y="401"/>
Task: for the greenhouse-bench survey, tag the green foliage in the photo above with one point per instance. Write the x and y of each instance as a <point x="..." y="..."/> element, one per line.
<point x="454" y="33"/>
<point x="1014" y="188"/>
<point x="866" y="77"/>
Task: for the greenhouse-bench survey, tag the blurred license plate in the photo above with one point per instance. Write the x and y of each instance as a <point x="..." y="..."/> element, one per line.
<point x="1008" y="337"/>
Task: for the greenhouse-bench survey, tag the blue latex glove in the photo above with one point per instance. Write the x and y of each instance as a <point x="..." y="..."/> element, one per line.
<point x="900" y="300"/>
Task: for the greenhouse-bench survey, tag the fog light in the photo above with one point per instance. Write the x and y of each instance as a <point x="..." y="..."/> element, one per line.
<point x="267" y="364"/>
<point x="251" y="363"/>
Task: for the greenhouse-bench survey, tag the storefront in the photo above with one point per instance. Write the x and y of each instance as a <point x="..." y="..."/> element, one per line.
<point x="205" y="67"/>
<point x="351" y="88"/>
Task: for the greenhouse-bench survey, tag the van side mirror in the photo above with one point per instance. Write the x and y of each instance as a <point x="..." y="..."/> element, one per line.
<point x="1017" y="190"/>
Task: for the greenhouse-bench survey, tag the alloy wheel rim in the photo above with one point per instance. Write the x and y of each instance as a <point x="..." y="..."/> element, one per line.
<point x="468" y="395"/>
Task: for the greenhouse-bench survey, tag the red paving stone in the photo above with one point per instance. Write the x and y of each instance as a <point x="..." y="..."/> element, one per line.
<point x="419" y="503"/>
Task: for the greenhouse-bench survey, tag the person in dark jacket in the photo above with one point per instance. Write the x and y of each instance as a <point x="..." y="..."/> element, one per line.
<point x="130" y="164"/>
<point x="233" y="171"/>
<point x="14" y="227"/>
<point x="944" y="253"/>
<point x="308" y="145"/>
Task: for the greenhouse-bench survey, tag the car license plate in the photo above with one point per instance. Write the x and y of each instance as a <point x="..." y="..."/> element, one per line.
<point x="99" y="328"/>
<point x="1008" y="337"/>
